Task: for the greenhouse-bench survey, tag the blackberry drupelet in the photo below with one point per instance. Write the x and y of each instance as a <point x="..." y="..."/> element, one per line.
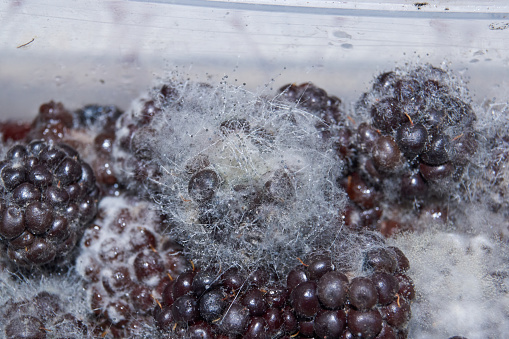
<point x="49" y="196"/>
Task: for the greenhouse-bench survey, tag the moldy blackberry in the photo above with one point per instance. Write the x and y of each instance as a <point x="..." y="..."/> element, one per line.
<point x="49" y="195"/>
<point x="333" y="123"/>
<point x="90" y="130"/>
<point x="317" y="300"/>
<point x="414" y="138"/>
<point x="41" y="316"/>
<point x="421" y="127"/>
<point x="126" y="264"/>
<point x="236" y="173"/>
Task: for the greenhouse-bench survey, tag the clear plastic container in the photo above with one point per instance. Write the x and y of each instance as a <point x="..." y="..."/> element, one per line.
<point x="107" y="52"/>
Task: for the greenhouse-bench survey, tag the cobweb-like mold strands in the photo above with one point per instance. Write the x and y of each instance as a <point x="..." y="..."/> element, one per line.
<point x="243" y="180"/>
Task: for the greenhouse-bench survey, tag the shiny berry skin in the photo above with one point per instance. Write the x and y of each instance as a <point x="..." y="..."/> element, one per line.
<point x="386" y="154"/>
<point x="318" y="266"/>
<point x="363" y="293"/>
<point x="185" y="308"/>
<point x="256" y="329"/>
<point x="386" y="285"/>
<point x="412" y="138"/>
<point x="434" y="173"/>
<point x="332" y="289"/>
<point x="254" y="300"/>
<point x="235" y="319"/>
<point x="212" y="304"/>
<point x="330" y="324"/>
<point x="295" y="277"/>
<point x="364" y="324"/>
<point x="304" y="299"/>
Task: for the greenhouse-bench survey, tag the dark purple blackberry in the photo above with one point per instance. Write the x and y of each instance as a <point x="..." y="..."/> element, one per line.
<point x="316" y="100"/>
<point x="131" y="271"/>
<point x="50" y="196"/>
<point x="415" y="140"/>
<point x="52" y="123"/>
<point x="43" y="315"/>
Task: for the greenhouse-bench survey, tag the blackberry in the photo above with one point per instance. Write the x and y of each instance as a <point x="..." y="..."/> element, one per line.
<point x="41" y="316"/>
<point x="14" y="131"/>
<point x="318" y="300"/>
<point x="90" y="130"/>
<point x="49" y="196"/>
<point x="415" y="140"/>
<point x="315" y="99"/>
<point x="418" y="110"/>
<point x="97" y="117"/>
<point x="127" y="265"/>
<point x="230" y="194"/>
<point x="52" y="123"/>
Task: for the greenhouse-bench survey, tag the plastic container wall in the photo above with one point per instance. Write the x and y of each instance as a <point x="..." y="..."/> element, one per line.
<point x="107" y="52"/>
